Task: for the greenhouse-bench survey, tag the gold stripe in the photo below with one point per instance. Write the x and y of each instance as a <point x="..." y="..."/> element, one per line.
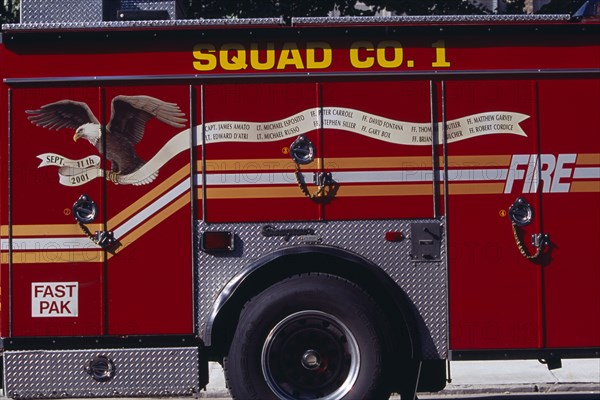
<point x="252" y="192"/>
<point x="148" y="197"/>
<point x="294" y="191"/>
<point x="588" y="159"/>
<point x="50" y="257"/>
<point x="154" y="221"/>
<point x="48" y="230"/>
<point x="416" y="162"/>
<point x="258" y="164"/>
<point x="385" y="190"/>
<point x="377" y="162"/>
<point x="475" y="188"/>
<point x="583" y="187"/>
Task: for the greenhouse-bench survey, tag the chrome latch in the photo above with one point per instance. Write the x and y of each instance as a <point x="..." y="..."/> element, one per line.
<point x="104" y="239"/>
<point x="322" y="179"/>
<point x="540" y="240"/>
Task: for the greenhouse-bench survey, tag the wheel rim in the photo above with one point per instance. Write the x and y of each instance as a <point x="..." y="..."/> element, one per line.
<point x="310" y="355"/>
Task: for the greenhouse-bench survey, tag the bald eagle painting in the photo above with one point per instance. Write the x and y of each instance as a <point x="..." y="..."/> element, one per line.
<point x="123" y="132"/>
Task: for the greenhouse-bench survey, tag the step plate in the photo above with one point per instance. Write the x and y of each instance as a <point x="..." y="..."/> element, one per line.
<point x="136" y="372"/>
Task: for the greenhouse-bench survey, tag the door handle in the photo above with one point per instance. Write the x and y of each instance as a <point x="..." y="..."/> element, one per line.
<point x="85" y="211"/>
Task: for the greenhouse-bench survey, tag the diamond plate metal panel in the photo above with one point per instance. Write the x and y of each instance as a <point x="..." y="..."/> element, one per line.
<point x="138" y="372"/>
<point x="33" y="11"/>
<point x="430" y="19"/>
<point x="52" y="25"/>
<point x="424" y="282"/>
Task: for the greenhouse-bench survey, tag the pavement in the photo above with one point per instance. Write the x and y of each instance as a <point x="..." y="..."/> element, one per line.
<point x="486" y="377"/>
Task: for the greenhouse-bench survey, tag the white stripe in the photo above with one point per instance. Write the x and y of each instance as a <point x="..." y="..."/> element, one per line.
<point x="51" y="244"/>
<point x="461" y="175"/>
<point x="587" y="173"/>
<point x="283" y="178"/>
<point x="383" y="176"/>
<point x="251" y="178"/>
<point x="147" y="212"/>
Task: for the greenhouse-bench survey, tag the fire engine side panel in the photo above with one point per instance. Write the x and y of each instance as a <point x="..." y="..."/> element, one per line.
<point x="495" y="293"/>
<point x="570" y="149"/>
<point x="61" y="287"/>
<point x="57" y="271"/>
<point x="147" y="274"/>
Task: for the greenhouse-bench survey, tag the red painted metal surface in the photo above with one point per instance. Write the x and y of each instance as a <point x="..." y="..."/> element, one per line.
<point x="149" y="275"/>
<point x="571" y="276"/>
<point x="498" y="298"/>
<point x="45" y="233"/>
<point x="495" y="299"/>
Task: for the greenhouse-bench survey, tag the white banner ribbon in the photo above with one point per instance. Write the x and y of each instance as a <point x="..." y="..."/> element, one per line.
<point x="78" y="172"/>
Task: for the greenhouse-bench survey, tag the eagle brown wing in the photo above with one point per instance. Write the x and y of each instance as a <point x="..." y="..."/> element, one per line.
<point x="131" y="113"/>
<point x="62" y="114"/>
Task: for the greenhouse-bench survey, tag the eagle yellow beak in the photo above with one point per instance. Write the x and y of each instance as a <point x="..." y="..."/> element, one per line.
<point x="75" y="137"/>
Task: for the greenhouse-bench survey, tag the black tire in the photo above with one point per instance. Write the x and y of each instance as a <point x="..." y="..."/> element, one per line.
<point x="312" y="336"/>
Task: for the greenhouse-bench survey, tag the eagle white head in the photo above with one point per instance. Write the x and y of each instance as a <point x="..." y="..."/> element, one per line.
<point x="89" y="131"/>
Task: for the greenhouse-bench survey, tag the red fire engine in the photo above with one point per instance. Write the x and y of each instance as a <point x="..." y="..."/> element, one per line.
<point x="331" y="207"/>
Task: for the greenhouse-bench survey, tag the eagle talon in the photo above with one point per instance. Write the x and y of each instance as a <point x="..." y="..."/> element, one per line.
<point x="112" y="176"/>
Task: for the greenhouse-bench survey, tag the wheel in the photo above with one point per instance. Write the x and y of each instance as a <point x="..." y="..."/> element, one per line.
<point x="309" y="337"/>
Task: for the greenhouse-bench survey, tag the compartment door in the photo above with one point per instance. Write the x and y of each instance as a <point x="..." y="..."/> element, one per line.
<point x="57" y="271"/>
<point x="378" y="149"/>
<point x="149" y="265"/>
<point x="495" y="292"/>
<point x="570" y="190"/>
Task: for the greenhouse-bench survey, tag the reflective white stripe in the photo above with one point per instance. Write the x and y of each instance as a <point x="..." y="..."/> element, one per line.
<point x="383" y="176"/>
<point x="587" y="173"/>
<point x="282" y="178"/>
<point x="151" y="209"/>
<point x="461" y="175"/>
<point x="50" y="244"/>
<point x="249" y="178"/>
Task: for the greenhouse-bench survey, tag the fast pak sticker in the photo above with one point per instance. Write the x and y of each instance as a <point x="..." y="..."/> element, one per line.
<point x="54" y="299"/>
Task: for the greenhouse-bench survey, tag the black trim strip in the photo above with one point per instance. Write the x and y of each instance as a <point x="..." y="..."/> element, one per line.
<point x="98" y="342"/>
<point x="10" y="215"/>
<point x="435" y="136"/>
<point x="523" y="354"/>
<point x="370" y="74"/>
<point x="193" y="203"/>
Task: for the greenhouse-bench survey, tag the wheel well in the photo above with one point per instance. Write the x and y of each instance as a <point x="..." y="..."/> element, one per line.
<point x="404" y="338"/>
